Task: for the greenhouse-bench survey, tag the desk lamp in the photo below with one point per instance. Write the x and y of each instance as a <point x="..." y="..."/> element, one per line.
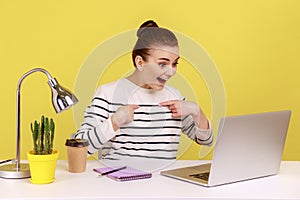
<point x="62" y="99"/>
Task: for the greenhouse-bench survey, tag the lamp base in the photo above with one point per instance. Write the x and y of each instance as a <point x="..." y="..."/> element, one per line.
<point x="9" y="171"/>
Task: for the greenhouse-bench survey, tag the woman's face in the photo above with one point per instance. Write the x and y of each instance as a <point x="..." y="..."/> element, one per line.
<point x="160" y="66"/>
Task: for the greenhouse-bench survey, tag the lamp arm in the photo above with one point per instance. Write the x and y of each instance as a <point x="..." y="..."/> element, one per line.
<point x="30" y="72"/>
<point x="18" y="110"/>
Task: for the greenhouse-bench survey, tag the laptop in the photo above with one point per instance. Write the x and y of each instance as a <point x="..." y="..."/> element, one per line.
<point x="247" y="147"/>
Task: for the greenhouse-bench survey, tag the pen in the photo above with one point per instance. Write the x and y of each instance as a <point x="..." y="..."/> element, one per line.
<point x="5" y="161"/>
<point x="113" y="170"/>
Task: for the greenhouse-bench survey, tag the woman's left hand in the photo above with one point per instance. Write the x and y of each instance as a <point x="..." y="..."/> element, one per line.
<point x="184" y="108"/>
<point x="181" y="108"/>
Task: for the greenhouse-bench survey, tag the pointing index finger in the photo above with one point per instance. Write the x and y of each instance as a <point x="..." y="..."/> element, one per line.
<point x="167" y="103"/>
<point x="134" y="106"/>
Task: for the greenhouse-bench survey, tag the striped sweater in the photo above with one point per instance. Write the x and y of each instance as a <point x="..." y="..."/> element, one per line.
<point x="153" y="134"/>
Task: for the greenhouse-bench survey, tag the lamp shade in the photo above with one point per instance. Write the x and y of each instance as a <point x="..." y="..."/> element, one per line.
<point x="62" y="99"/>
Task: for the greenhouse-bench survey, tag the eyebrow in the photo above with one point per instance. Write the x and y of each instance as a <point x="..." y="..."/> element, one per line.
<point x="167" y="59"/>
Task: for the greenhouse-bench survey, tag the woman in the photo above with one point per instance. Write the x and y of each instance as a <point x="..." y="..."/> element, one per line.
<point x="139" y="117"/>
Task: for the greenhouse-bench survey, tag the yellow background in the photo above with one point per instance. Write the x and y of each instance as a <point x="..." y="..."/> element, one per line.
<point x="254" y="45"/>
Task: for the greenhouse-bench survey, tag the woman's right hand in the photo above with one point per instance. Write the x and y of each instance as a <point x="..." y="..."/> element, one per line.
<point x="123" y="116"/>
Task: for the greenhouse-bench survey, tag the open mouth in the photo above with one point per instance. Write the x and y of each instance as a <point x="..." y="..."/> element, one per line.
<point x="161" y="80"/>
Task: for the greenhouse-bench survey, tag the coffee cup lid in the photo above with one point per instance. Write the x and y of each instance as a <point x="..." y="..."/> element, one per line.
<point x="77" y="142"/>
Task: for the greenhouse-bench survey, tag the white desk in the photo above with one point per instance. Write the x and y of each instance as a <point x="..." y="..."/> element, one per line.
<point x="285" y="185"/>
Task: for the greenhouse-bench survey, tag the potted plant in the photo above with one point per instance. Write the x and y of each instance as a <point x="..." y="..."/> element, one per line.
<point x="42" y="159"/>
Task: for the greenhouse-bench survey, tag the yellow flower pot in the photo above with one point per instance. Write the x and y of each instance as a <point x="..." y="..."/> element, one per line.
<point x="42" y="167"/>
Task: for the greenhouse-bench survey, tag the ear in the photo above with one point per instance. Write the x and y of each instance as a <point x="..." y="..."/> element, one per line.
<point x="138" y="61"/>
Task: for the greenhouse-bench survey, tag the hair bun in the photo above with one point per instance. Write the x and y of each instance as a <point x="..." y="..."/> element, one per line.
<point x="145" y="25"/>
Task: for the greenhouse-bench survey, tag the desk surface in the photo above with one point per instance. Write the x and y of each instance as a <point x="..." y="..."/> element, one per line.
<point x="89" y="185"/>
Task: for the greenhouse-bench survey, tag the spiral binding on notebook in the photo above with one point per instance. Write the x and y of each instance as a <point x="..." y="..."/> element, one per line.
<point x="124" y="174"/>
<point x="130" y="178"/>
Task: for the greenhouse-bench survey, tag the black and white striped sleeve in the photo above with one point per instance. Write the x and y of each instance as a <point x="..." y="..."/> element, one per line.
<point x="96" y="126"/>
<point x="201" y="136"/>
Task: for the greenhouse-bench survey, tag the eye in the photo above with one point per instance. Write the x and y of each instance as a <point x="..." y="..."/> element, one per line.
<point x="175" y="64"/>
<point x="162" y="65"/>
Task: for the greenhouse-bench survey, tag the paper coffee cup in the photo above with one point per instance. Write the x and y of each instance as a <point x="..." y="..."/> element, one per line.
<point x="77" y="154"/>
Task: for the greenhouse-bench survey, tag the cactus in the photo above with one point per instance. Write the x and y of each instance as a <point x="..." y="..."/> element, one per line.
<point x="52" y="128"/>
<point x="43" y="136"/>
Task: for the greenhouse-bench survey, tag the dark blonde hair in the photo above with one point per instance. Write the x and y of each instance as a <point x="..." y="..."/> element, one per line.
<point x="149" y="34"/>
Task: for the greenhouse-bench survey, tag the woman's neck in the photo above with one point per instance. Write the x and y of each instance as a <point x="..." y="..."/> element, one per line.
<point x="135" y="78"/>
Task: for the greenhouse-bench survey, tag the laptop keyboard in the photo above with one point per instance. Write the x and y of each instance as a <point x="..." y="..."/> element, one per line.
<point x="203" y="176"/>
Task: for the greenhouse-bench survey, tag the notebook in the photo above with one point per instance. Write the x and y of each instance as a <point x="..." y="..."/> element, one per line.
<point x="124" y="173"/>
<point x="247" y="147"/>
